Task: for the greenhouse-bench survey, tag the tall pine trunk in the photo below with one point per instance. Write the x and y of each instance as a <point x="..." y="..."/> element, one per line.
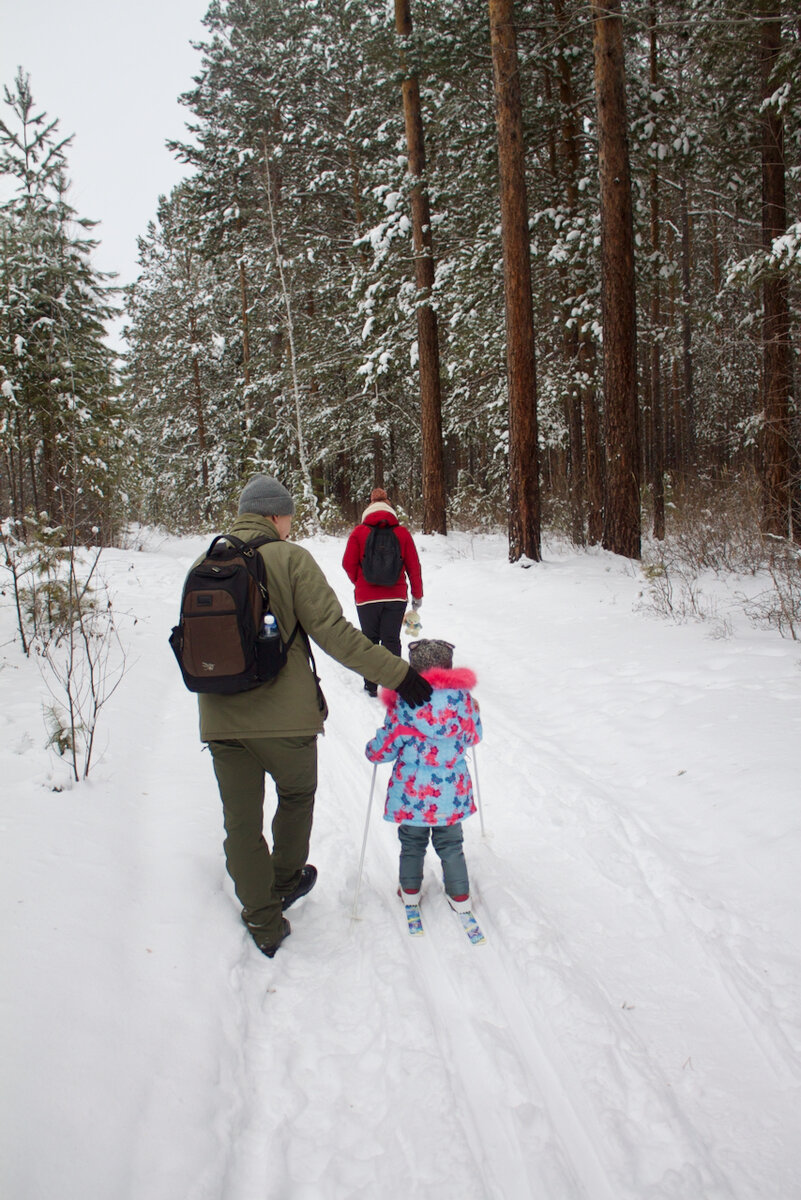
<point x="572" y="334"/>
<point x="657" y="426"/>
<point x="690" y="453"/>
<point x="524" y="490"/>
<point x="592" y="441"/>
<point x="621" y="418"/>
<point x="427" y="334"/>
<point x="776" y="315"/>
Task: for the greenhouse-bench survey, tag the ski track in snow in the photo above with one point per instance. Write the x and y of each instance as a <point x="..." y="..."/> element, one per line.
<point x="632" y="859"/>
<point x="630" y="1031"/>
<point x="545" y="1084"/>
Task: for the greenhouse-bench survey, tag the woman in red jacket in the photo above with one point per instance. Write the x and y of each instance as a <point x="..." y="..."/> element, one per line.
<point x="381" y="605"/>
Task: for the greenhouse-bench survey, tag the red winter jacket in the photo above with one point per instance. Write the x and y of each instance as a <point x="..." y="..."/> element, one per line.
<point x="369" y="593"/>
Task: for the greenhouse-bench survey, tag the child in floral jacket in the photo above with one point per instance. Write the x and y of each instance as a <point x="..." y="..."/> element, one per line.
<point x="430" y="790"/>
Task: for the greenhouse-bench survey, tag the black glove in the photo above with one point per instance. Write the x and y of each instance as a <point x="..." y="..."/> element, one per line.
<point x="413" y="689"/>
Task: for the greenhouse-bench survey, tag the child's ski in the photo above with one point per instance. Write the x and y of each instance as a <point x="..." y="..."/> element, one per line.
<point x="414" y="919"/>
<point x="472" y="928"/>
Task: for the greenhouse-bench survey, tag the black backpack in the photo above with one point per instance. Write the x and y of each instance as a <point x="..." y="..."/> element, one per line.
<point x="216" y="641"/>
<point x="382" y="561"/>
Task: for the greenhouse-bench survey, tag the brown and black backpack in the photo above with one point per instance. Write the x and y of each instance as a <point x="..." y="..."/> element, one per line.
<point x="219" y="641"/>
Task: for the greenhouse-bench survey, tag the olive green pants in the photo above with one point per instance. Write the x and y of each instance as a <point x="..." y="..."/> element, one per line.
<point x="260" y="877"/>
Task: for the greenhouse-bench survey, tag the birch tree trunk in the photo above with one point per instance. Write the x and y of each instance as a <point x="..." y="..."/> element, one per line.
<point x="198" y="400"/>
<point x="305" y="472"/>
<point x="524" y="490"/>
<point x="249" y="461"/>
<point x="621" y="419"/>
<point x="427" y="335"/>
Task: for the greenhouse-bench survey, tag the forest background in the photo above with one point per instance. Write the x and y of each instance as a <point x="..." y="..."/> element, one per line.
<point x="337" y="291"/>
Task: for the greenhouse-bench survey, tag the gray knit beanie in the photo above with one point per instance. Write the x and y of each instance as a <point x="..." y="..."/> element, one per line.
<point x="429" y="652"/>
<point x="264" y="495"/>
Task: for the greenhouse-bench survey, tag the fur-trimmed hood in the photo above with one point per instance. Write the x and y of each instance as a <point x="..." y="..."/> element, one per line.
<point x="451" y="691"/>
<point x="460" y="679"/>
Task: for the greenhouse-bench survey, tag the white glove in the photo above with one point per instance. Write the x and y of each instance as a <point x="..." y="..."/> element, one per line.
<point x="416" y="603"/>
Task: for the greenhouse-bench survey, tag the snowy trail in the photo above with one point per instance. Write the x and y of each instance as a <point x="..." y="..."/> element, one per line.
<point x="531" y="1130"/>
<point x="630" y="1031"/>
<point x="545" y="1081"/>
<point x="507" y="1154"/>
<point x="627" y="852"/>
<point x="612" y="853"/>
<point x="623" y="859"/>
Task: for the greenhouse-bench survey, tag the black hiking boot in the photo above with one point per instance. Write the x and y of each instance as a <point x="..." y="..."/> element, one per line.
<point x="270" y="948"/>
<point x="308" y="878"/>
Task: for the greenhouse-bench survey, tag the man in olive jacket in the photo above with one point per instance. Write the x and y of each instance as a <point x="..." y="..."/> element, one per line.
<point x="274" y="727"/>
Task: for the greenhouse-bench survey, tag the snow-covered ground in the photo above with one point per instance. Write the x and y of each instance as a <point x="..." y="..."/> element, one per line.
<point x="630" y="1031"/>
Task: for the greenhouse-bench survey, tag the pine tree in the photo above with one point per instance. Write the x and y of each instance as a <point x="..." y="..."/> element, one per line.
<point x="62" y="429"/>
<point x="427" y="333"/>
<point x="776" y="312"/>
<point x="303" y="97"/>
<point x="181" y="372"/>
<point x="622" y="503"/>
<point x="524" y="499"/>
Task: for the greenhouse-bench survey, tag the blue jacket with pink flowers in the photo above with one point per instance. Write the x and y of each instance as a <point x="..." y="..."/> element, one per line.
<point x="430" y="783"/>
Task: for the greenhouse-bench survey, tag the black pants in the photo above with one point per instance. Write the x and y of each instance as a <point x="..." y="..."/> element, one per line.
<point x="381" y="622"/>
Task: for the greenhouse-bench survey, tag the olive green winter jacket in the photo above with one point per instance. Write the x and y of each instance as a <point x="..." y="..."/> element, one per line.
<point x="289" y="705"/>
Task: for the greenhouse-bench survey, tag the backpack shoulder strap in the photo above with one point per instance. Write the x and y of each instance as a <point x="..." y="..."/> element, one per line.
<point x="310" y="655"/>
<point x="254" y="544"/>
<point x="237" y="542"/>
<point x="225" y="537"/>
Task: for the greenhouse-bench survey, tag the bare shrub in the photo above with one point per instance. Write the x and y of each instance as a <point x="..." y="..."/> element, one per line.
<point x="85" y="662"/>
<point x="779" y="606"/>
<point x="65" y="616"/>
<point x="674" y="586"/>
<point x="714" y="528"/>
<point x="715" y="523"/>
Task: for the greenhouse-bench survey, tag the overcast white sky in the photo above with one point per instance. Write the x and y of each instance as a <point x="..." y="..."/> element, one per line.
<point x="111" y="73"/>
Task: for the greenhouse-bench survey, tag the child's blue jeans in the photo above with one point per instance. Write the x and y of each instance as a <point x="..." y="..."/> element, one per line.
<point x="447" y="840"/>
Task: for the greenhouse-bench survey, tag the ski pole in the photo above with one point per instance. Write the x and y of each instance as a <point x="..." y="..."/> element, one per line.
<point x="364" y="843"/>
<point x="478" y="794"/>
